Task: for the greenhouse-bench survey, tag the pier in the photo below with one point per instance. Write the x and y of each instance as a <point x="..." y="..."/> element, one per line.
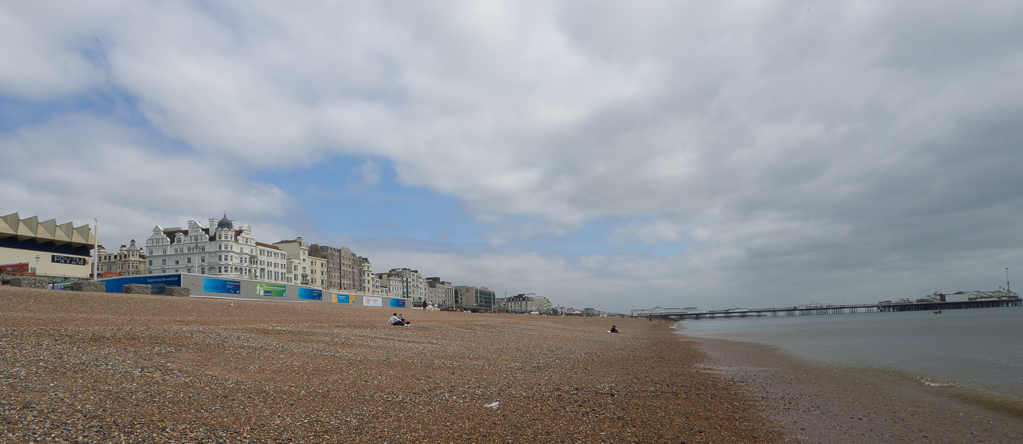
<point x="886" y="307"/>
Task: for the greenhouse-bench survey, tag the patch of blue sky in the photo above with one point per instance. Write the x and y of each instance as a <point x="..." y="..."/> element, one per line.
<point x="335" y="196"/>
<point x="20" y="113"/>
<point x="106" y="100"/>
<point x="109" y="103"/>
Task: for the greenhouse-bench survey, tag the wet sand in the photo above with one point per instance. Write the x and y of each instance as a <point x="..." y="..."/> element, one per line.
<point x="819" y="403"/>
<point x="95" y="367"/>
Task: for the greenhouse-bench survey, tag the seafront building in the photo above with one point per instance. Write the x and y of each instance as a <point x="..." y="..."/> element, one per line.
<point x="31" y="247"/>
<point x="543" y="305"/>
<point x="318" y="272"/>
<point x="221" y="249"/>
<point x="404" y="283"/>
<point x="440" y="293"/>
<point x="345" y="269"/>
<point x="224" y="249"/>
<point x="129" y="260"/>
<point x="331" y="258"/>
<point x="369" y="281"/>
<point x="297" y="253"/>
<point x="474" y="298"/>
<point x="519" y="303"/>
<point x="528" y="303"/>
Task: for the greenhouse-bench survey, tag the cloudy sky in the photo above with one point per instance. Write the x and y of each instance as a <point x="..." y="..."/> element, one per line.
<point x="603" y="154"/>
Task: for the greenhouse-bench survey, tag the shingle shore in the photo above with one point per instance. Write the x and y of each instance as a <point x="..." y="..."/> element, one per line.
<point x="95" y="367"/>
<point x="819" y="403"/>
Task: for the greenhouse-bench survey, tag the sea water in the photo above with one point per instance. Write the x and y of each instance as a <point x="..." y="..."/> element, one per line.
<point x="980" y="349"/>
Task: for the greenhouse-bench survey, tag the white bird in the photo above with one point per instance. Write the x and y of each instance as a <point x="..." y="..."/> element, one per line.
<point x="493" y="405"/>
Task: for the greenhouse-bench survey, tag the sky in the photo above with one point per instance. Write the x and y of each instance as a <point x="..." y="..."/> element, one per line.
<point x="601" y="154"/>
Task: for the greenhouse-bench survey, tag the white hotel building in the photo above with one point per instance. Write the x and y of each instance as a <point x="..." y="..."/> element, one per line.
<point x="219" y="250"/>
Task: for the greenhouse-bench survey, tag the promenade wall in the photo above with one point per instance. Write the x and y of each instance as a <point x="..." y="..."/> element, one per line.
<point x="211" y="286"/>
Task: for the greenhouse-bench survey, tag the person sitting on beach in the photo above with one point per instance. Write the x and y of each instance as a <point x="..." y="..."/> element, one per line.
<point x="403" y="321"/>
<point x="395" y="320"/>
<point x="613" y="329"/>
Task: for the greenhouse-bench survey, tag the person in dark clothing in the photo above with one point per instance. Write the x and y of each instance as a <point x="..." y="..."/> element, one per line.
<point x="613" y="329"/>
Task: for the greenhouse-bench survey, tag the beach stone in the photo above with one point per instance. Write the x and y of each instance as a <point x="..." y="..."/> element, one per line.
<point x="28" y="282"/>
<point x="177" y="291"/>
<point x="138" y="289"/>
<point x="89" y="286"/>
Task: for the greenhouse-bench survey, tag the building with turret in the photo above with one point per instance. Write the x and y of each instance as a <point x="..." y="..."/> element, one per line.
<point x="129" y="260"/>
<point x="221" y="249"/>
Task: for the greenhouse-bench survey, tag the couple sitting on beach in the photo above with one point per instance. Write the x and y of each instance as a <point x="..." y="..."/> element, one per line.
<point x="398" y="320"/>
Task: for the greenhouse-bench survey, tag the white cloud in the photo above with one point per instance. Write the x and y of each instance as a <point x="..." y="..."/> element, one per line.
<point x="649" y="232"/>
<point x="44" y="60"/>
<point x="87" y="166"/>
<point x="367" y="175"/>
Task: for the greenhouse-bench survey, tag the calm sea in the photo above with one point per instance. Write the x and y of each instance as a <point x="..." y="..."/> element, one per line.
<point x="978" y="351"/>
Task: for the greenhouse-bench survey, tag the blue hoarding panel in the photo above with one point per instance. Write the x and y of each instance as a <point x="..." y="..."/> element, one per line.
<point x="311" y="294"/>
<point x="116" y="285"/>
<point x="398" y="303"/>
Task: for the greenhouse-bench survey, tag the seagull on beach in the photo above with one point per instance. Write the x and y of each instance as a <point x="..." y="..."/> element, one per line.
<point x="493" y="405"/>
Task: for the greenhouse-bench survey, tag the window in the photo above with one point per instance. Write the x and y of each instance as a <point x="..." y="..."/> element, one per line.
<point x="164" y="262"/>
<point x="188" y="260"/>
<point x="150" y="262"/>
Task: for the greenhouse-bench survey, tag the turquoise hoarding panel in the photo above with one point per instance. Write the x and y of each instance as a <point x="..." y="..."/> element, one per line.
<point x="210" y="285"/>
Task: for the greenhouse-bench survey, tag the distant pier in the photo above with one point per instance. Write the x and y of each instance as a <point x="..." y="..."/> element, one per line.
<point x="938" y="306"/>
<point x="688" y="314"/>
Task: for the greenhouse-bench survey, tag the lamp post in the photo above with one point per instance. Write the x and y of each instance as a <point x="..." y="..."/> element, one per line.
<point x="95" y="249"/>
<point x="36" y="271"/>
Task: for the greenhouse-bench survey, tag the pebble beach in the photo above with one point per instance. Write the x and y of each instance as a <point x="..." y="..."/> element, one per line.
<point x="113" y="368"/>
<point x="99" y="368"/>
